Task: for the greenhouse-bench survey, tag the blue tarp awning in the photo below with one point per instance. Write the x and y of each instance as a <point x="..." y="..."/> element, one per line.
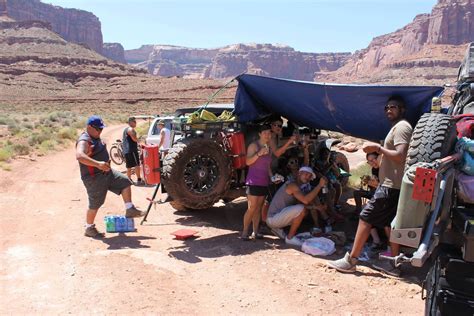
<point x="356" y="110"/>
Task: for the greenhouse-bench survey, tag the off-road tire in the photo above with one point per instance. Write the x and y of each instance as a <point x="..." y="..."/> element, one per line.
<point x="116" y="155"/>
<point x="343" y="163"/>
<point x="433" y="138"/>
<point x="431" y="285"/>
<point x="188" y="155"/>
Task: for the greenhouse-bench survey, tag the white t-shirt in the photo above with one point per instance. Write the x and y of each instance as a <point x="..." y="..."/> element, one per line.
<point x="167" y="141"/>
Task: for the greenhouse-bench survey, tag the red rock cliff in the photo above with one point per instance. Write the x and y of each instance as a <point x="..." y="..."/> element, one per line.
<point x="77" y="26"/>
<point x="430" y="40"/>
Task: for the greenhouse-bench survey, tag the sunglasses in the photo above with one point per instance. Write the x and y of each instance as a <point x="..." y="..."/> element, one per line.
<point x="390" y="107"/>
<point x="277" y="125"/>
<point x="292" y="162"/>
<point x="97" y="128"/>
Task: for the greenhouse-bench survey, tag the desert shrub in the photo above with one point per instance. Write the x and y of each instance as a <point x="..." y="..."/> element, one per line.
<point x="28" y="125"/>
<point x="53" y="117"/>
<point x="14" y="129"/>
<point x="6" y="153"/>
<point x="5" y="166"/>
<point x="5" y="120"/>
<point x="47" y="146"/>
<point x="67" y="133"/>
<point x="38" y="138"/>
<point x="26" y="119"/>
<point x="21" y="149"/>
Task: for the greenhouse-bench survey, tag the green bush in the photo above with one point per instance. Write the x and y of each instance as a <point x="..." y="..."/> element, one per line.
<point x="38" y="138"/>
<point x="47" y="146"/>
<point x="5" y="120"/>
<point x="67" y="133"/>
<point x="6" y="153"/>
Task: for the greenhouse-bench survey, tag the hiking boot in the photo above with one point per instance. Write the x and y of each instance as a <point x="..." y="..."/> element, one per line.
<point x="93" y="232"/>
<point x="387" y="267"/>
<point x="346" y="264"/>
<point x="293" y="241"/>
<point x="279" y="232"/>
<point x="134" y="212"/>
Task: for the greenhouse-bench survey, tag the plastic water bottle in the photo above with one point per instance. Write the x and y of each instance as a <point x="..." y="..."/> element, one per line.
<point x="120" y="224"/>
<point x="109" y="223"/>
<point x="130" y="225"/>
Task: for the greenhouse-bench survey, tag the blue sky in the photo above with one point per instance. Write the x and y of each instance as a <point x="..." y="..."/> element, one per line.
<point x="309" y="26"/>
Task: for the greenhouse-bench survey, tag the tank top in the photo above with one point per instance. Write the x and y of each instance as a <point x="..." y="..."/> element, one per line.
<point x="128" y="144"/>
<point x="281" y="200"/>
<point x="258" y="171"/>
<point x="98" y="151"/>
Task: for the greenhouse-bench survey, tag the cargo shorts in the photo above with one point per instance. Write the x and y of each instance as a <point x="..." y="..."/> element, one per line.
<point x="98" y="185"/>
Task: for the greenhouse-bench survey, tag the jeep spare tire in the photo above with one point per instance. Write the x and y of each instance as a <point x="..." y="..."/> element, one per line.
<point x="196" y="173"/>
<point x="433" y="138"/>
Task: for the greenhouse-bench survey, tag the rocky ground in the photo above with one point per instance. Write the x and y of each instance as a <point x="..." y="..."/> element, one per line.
<point x="49" y="267"/>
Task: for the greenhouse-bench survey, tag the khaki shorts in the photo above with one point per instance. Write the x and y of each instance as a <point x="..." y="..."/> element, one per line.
<point x="285" y="217"/>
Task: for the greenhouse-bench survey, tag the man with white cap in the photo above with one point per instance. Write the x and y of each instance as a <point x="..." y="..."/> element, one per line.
<point x="288" y="206"/>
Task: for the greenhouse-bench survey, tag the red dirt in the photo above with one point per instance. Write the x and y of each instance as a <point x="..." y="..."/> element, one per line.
<point x="48" y="266"/>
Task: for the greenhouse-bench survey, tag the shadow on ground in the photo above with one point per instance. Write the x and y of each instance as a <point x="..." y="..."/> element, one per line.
<point x="124" y="241"/>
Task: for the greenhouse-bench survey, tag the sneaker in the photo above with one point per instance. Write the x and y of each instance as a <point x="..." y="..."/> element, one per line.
<point x="134" y="212"/>
<point x="93" y="232"/>
<point x="387" y="267"/>
<point x="293" y="241"/>
<point x="279" y="232"/>
<point x="346" y="264"/>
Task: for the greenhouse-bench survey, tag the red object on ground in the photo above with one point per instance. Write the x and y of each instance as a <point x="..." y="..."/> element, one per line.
<point x="183" y="234"/>
<point x="237" y="147"/>
<point x="151" y="164"/>
<point x="423" y="187"/>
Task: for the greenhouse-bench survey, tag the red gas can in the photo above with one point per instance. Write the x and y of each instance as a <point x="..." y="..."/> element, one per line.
<point x="238" y="150"/>
<point x="151" y="164"/>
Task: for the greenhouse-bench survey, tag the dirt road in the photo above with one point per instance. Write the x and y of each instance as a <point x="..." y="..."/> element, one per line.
<point x="47" y="266"/>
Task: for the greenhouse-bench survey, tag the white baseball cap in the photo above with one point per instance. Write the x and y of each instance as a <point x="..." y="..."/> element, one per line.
<point x="309" y="170"/>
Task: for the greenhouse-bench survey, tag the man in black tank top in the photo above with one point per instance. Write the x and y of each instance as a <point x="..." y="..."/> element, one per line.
<point x="130" y="149"/>
<point x="98" y="177"/>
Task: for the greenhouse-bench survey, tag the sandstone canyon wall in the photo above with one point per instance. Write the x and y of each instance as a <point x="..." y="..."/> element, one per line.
<point x="114" y="51"/>
<point x="74" y="25"/>
<point x="430" y="46"/>
<point x="232" y="60"/>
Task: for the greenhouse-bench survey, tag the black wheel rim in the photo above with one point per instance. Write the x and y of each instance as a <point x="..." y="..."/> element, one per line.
<point x="201" y="174"/>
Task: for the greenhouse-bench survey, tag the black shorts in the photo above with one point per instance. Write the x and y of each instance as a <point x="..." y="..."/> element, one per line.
<point x="257" y="190"/>
<point x="132" y="159"/>
<point x="382" y="207"/>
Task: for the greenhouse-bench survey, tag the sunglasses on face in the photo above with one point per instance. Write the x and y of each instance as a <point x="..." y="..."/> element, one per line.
<point x="97" y="128"/>
<point x="292" y="162"/>
<point x="390" y="107"/>
<point x="277" y="125"/>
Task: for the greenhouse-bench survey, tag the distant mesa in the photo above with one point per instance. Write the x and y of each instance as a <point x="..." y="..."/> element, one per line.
<point x="114" y="51"/>
<point x="232" y="60"/>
